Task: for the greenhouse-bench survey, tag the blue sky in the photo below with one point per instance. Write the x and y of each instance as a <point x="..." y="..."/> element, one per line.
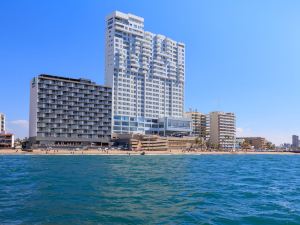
<point x="241" y="56"/>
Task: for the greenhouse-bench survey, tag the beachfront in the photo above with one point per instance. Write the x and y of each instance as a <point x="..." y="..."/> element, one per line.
<point x="122" y="152"/>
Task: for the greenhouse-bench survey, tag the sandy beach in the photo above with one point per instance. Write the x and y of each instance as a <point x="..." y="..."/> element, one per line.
<point x="119" y="152"/>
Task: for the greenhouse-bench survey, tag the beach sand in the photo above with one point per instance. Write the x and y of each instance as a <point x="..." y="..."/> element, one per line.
<point x="119" y="152"/>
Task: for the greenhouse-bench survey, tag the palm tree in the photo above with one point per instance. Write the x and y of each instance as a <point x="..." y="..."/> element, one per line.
<point x="270" y="146"/>
<point x="203" y="143"/>
<point x="245" y="145"/>
<point x="199" y="141"/>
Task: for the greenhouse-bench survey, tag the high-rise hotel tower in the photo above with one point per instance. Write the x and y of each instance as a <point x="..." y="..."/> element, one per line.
<point x="146" y="72"/>
<point x="69" y="112"/>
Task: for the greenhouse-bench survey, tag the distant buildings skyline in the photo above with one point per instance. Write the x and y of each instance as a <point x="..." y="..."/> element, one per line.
<point x="144" y="98"/>
<point x="144" y="94"/>
<point x="219" y="75"/>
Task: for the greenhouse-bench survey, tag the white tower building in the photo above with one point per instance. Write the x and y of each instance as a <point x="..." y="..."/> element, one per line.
<point x="222" y="130"/>
<point x="146" y="72"/>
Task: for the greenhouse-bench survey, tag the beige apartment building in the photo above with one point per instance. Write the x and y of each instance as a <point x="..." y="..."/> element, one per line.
<point x="256" y="142"/>
<point x="222" y="130"/>
<point x="200" y="123"/>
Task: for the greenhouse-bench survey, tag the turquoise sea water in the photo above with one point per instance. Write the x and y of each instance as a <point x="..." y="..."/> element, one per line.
<point x="210" y="189"/>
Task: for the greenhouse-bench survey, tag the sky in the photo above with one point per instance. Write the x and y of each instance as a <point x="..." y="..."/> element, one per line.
<point x="241" y="56"/>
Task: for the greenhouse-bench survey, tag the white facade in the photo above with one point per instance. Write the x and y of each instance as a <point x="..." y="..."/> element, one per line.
<point x="33" y="108"/>
<point x="222" y="129"/>
<point x="146" y="72"/>
<point x="7" y="140"/>
<point x="2" y="122"/>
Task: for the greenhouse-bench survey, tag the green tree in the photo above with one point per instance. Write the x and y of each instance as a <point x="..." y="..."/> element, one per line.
<point x="245" y="145"/>
<point x="270" y="146"/>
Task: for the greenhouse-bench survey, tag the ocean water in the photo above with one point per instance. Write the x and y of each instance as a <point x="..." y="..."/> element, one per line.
<point x="208" y="189"/>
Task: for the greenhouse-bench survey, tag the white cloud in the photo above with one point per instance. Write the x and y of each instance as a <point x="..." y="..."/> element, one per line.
<point x="273" y="136"/>
<point x="18" y="127"/>
<point x="239" y="131"/>
<point x="20" y="123"/>
<point x="278" y="137"/>
<point x="243" y="132"/>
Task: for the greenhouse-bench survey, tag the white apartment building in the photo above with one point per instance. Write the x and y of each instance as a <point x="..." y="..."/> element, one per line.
<point x="222" y="130"/>
<point x="2" y="122"/>
<point x="146" y="72"/>
<point x="7" y="140"/>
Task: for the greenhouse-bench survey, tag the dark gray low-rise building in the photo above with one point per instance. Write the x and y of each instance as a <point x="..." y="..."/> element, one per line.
<point x="69" y="112"/>
<point x="295" y="141"/>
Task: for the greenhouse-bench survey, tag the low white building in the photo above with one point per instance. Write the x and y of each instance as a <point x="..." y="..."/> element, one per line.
<point x="7" y="140"/>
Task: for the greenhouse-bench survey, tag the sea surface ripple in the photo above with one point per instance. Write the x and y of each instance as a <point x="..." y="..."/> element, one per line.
<point x="202" y="189"/>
